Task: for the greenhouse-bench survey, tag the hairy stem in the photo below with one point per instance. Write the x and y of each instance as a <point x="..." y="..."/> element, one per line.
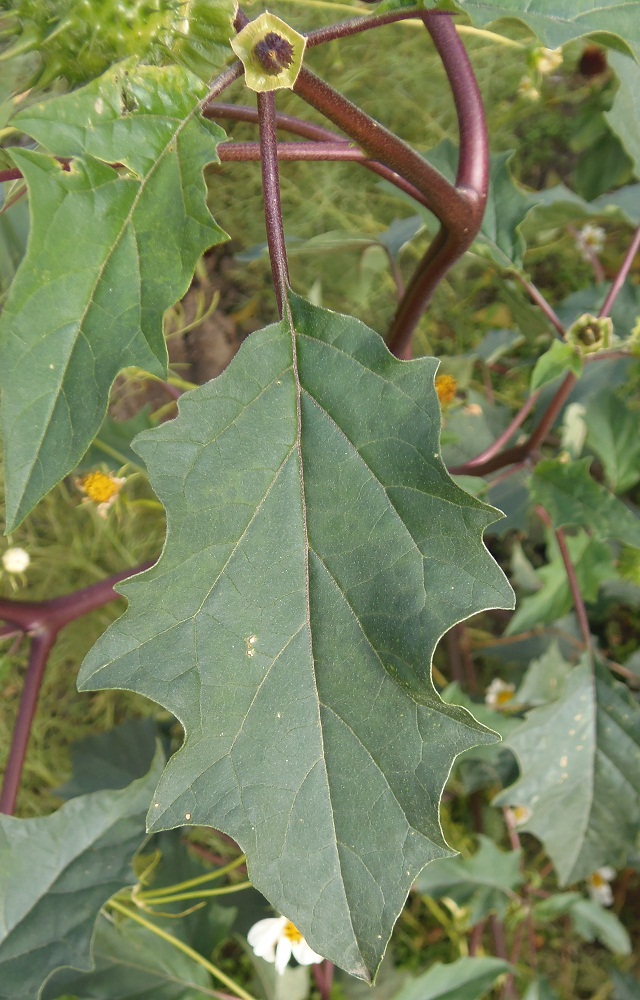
<point x="297" y="126"/>
<point x="271" y="197"/>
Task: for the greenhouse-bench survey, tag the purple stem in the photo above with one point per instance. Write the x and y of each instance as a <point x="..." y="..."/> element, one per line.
<point x="41" y="644"/>
<point x="244" y="151"/>
<point x="355" y="25"/>
<point x="518" y="453"/>
<point x="271" y="197"/>
<point x="315" y="132"/>
<point x="541" y="302"/>
<point x="574" y="586"/>
<point x="498" y="444"/>
<point x="43" y="620"/>
<point x="380" y="144"/>
<point x="462" y="220"/>
<point x="621" y="276"/>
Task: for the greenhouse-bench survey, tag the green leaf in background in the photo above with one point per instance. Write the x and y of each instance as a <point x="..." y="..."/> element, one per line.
<point x="112" y="759"/>
<point x="580" y="777"/>
<point x="56" y="872"/>
<point x="624" y="987"/>
<point x="560" y="359"/>
<point x="483" y="766"/>
<point x="466" y="979"/>
<point x="612" y="433"/>
<point x="132" y="963"/>
<point x="316" y="551"/>
<point x="572" y="497"/>
<point x="624" y="116"/>
<point x="540" y="990"/>
<point x="544" y="680"/>
<point x="112" y="444"/>
<point x="507" y="206"/>
<point x="109" y="251"/>
<point x="594" y="923"/>
<point x="593" y="563"/>
<point x="484" y="883"/>
<point x="615" y="23"/>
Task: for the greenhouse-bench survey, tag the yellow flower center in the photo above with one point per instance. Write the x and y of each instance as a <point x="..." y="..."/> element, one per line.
<point x="504" y="697"/>
<point x="596" y="880"/>
<point x="446" y="388"/>
<point x="292" y="933"/>
<point x="99" y="487"/>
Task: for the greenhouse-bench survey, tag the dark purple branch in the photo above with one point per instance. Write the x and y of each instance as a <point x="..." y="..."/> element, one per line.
<point x="271" y="197"/>
<point x="43" y="620"/>
<point x="461" y="222"/>
<point x="296" y="151"/>
<point x="41" y="644"/>
<point x="316" y="132"/>
<point x="230" y="75"/>
<point x="288" y="123"/>
<point x="473" y="162"/>
<point x="500" y="442"/>
<point x="381" y="144"/>
<point x="323" y="975"/>
<point x="574" y="586"/>
<point x="518" y="453"/>
<point x="539" y="299"/>
<point x="356" y="25"/>
<point x="621" y="276"/>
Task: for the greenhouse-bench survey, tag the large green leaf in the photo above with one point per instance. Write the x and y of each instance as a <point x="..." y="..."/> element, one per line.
<point x="579" y="774"/>
<point x="316" y="551"/>
<point x="484" y="882"/>
<point x="109" y="250"/>
<point x="466" y="979"/>
<point x="56" y="872"/>
<point x="572" y="497"/>
<point x="132" y="963"/>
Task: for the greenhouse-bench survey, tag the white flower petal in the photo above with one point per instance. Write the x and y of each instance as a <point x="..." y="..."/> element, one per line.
<point x="16" y="560"/>
<point x="265" y="935"/>
<point x="304" y="954"/>
<point x="283" y="954"/>
<point x="607" y="873"/>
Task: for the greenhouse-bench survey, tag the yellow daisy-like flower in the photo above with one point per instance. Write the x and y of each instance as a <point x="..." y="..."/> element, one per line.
<point x="100" y="488"/>
<point x="446" y="388"/>
<point x="276" y="939"/>
<point x="499" y="693"/>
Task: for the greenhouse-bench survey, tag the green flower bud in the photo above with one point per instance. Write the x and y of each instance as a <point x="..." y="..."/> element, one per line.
<point x="590" y="333"/>
<point x="271" y="53"/>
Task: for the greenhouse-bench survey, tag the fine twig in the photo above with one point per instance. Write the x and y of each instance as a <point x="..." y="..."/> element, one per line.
<point x="621" y="276"/>
<point x="42" y="620"/>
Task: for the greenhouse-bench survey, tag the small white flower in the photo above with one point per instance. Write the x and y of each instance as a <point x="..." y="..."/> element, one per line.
<point x="519" y="814"/>
<point x="499" y="693"/>
<point x="546" y="60"/>
<point x="590" y="240"/>
<point x="528" y="90"/>
<point x="598" y="885"/>
<point x="16" y="560"/>
<point x="276" y="939"/>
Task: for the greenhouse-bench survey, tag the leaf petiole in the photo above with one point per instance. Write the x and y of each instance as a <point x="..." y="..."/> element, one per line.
<point x="181" y="946"/>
